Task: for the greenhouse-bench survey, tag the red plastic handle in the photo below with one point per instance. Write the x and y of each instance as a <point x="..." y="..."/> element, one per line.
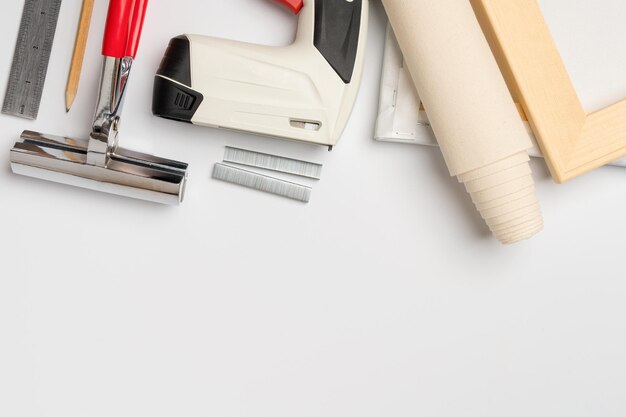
<point x="294" y="5"/>
<point x="123" y="28"/>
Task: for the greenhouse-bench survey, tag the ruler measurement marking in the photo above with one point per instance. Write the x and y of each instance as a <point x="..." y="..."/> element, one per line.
<point x="31" y="57"/>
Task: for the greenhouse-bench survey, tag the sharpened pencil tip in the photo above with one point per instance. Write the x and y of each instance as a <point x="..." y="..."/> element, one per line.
<point x="69" y="101"/>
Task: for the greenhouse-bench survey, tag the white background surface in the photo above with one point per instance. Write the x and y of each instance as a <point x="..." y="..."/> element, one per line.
<point x="385" y="296"/>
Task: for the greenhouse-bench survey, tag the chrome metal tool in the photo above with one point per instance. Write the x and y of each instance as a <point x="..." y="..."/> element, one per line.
<point x="31" y="57"/>
<point x="97" y="162"/>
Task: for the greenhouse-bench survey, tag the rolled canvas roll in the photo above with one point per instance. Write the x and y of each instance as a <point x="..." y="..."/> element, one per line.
<point x="471" y="111"/>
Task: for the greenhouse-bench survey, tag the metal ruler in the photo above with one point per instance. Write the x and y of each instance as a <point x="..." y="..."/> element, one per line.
<point x="31" y="57"/>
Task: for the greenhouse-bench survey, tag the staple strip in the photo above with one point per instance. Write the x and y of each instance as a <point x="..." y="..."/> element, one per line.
<point x="273" y="163"/>
<point x="263" y="183"/>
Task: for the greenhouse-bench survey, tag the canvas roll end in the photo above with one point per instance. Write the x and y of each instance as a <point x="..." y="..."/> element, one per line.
<point x="504" y="194"/>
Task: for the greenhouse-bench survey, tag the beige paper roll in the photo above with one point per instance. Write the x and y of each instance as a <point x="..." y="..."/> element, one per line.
<point x="471" y="111"/>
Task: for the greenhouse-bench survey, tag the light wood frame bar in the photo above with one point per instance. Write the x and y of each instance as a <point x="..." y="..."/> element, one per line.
<point x="572" y="140"/>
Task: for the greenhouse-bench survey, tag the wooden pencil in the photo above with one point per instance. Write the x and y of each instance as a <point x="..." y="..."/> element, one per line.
<point x="79" y="53"/>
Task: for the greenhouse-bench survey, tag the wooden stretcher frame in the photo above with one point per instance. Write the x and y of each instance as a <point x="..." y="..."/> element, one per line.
<point x="572" y="140"/>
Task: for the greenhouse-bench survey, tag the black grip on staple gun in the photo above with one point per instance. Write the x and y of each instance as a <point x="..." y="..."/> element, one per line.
<point x="337" y="28"/>
<point x="174" y="98"/>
